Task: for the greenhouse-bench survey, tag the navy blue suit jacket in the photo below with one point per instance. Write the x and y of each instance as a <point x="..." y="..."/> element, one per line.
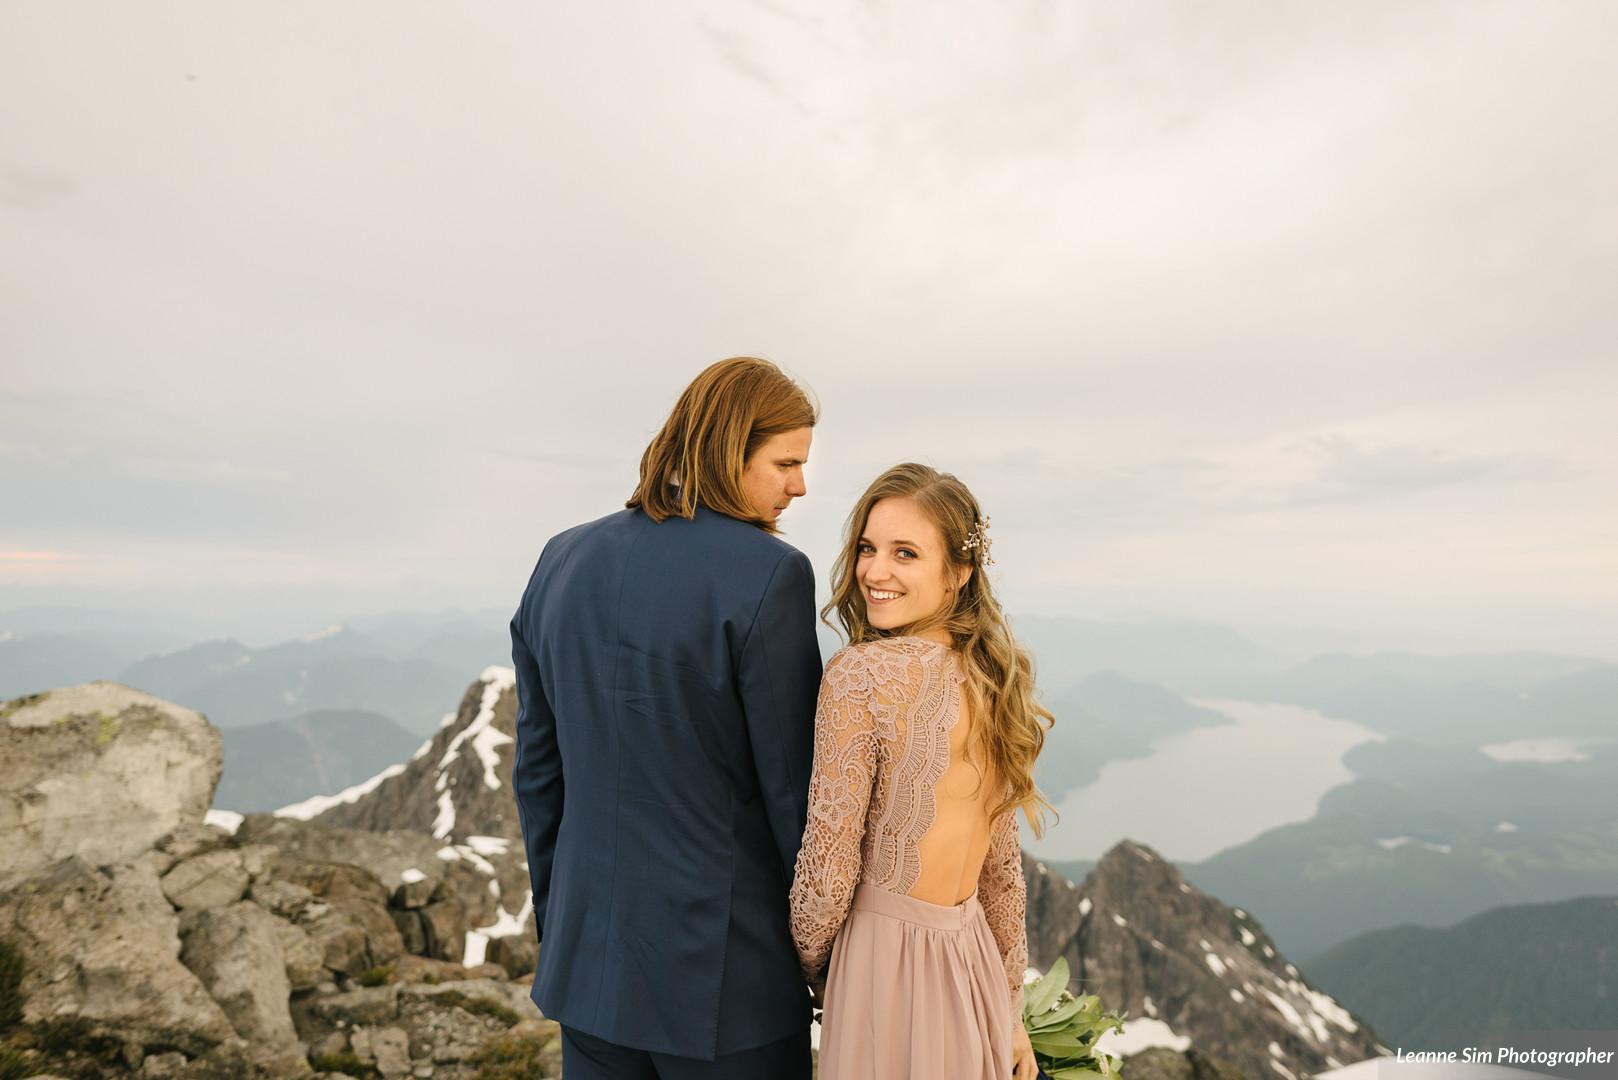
<point x="666" y="683"/>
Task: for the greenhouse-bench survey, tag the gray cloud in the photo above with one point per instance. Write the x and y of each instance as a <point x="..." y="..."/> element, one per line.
<point x="27" y="189"/>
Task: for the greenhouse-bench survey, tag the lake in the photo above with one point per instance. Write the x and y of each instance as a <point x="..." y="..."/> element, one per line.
<point x="1205" y="790"/>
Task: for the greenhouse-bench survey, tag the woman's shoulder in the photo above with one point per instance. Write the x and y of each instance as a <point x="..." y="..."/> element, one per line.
<point x="893" y="666"/>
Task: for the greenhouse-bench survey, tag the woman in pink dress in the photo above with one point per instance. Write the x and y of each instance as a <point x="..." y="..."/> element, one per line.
<point x="908" y="898"/>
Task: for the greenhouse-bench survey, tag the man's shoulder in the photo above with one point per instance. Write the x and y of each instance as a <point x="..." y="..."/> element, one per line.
<point x="738" y="544"/>
<point x="725" y="542"/>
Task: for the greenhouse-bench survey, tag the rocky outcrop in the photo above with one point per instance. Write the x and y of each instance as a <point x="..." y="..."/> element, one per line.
<point x="1186" y="967"/>
<point x="456" y="789"/>
<point x="261" y="947"/>
<point x="103" y="946"/>
<point x="98" y="771"/>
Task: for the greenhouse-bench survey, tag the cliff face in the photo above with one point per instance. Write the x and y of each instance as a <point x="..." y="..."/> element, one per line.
<point x="457" y="789"/>
<point x="1187" y="967"/>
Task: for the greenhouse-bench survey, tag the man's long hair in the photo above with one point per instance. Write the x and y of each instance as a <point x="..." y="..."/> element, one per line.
<point x="1009" y="723"/>
<point x="725" y="415"/>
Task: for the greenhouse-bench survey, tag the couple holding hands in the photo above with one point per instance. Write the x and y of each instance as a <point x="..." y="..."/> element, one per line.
<point x="712" y="822"/>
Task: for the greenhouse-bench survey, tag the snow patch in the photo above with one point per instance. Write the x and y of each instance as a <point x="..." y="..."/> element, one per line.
<point x="1239" y="913"/>
<point x="1158" y="945"/>
<point x="1283" y="1070"/>
<point x="1041" y="868"/>
<point x="1326" y="1006"/>
<point x="489" y="845"/>
<point x="1237" y="996"/>
<point x="444" y="823"/>
<point x="448" y="854"/>
<point x="1214" y="963"/>
<point x="1269" y="952"/>
<point x="1184" y="887"/>
<point x="1146" y="1003"/>
<point x="1140" y="1033"/>
<point x="310" y="808"/>
<point x="1288" y="1013"/>
<point x="1247" y="936"/>
<point x="1275" y="1050"/>
<point x="1084" y="906"/>
<point x="481" y="732"/>
<point x="1147" y="855"/>
<point x="412" y="875"/>
<point x="504" y="925"/>
<point x="228" y="820"/>
<point x="1119" y="919"/>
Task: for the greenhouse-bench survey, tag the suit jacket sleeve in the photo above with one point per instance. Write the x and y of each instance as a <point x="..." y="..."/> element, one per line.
<point x="536" y="774"/>
<point x="779" y="676"/>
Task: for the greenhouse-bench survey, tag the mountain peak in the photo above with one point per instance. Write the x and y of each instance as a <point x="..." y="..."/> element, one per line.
<point x="1187" y="966"/>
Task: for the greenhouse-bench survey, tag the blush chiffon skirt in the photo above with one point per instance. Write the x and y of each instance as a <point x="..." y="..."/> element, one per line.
<point x="915" y="990"/>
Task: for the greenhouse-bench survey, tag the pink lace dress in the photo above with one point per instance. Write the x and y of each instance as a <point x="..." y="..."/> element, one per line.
<point x="914" y="988"/>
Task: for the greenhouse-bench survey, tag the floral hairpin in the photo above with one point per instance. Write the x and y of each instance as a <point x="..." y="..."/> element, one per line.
<point x="978" y="540"/>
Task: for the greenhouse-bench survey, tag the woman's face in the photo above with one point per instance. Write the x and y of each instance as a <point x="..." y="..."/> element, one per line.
<point x="902" y="569"/>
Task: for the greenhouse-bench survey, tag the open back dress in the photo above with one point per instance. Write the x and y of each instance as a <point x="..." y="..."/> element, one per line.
<point x="908" y="895"/>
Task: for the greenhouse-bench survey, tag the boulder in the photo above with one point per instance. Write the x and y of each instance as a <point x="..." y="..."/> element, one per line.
<point x="517" y="954"/>
<point x="104" y="946"/>
<point x="210" y="880"/>
<point x="236" y="952"/>
<point x="99" y="771"/>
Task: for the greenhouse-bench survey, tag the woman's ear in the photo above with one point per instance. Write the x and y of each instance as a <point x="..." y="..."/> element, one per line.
<point x="963" y="574"/>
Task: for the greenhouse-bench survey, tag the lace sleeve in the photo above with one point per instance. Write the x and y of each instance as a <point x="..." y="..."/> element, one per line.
<point x="1004" y="895"/>
<point x="840" y="783"/>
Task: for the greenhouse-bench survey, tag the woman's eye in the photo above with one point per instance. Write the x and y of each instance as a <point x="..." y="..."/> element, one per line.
<point x="907" y="551"/>
<point x="866" y="549"/>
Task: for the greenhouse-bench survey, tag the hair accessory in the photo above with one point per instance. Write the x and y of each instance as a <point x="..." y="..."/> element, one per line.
<point x="979" y="540"/>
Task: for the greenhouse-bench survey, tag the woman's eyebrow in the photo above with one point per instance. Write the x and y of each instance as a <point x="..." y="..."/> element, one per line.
<point x="892" y="543"/>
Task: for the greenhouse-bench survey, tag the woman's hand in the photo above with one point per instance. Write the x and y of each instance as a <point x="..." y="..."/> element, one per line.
<point x="1023" y="1065"/>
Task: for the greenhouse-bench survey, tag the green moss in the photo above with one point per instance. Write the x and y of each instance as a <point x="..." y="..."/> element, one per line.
<point x="107" y="728"/>
<point x="17" y="704"/>
<point x="16" y="1063"/>
<point x="479" y="1006"/>
<point x="345" y="1063"/>
<point x="12" y="967"/>
<point x="61" y="1035"/>
<point x="377" y="976"/>
<point x="509" y="1057"/>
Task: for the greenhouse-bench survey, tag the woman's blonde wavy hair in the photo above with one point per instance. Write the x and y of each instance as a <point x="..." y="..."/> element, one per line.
<point x="999" y="674"/>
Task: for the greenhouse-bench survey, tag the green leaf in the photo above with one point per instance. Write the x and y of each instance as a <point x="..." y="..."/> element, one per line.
<point x="1056" y="1018"/>
<point x="1043" y="994"/>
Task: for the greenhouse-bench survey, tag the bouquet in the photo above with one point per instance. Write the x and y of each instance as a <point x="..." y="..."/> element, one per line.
<point x="1064" y="1029"/>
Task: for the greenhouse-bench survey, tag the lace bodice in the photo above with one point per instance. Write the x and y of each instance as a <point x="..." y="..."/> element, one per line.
<point x="882" y="728"/>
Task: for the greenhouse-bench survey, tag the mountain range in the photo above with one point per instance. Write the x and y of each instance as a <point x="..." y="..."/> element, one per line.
<point x="1526" y="967"/>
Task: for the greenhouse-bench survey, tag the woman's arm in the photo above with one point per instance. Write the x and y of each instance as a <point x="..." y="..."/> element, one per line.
<point x="1004" y="895"/>
<point x="840" y="783"/>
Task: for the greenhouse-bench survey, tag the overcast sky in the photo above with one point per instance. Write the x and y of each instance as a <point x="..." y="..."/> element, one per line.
<point x="1281" y="315"/>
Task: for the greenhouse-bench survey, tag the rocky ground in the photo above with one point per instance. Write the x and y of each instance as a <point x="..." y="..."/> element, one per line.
<point x="138" y="940"/>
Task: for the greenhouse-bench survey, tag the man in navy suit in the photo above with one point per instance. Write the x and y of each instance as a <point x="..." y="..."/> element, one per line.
<point x="667" y="669"/>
